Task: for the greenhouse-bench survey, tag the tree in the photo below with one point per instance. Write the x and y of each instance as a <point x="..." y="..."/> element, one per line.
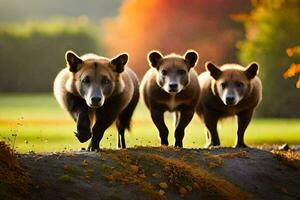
<point x="271" y="27"/>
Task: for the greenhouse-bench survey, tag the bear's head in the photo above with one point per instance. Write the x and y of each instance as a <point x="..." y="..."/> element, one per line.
<point x="96" y="78"/>
<point x="172" y="70"/>
<point x="232" y="82"/>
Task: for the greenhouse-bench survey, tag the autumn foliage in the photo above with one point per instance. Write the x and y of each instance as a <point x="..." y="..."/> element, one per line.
<point x="174" y="26"/>
<point x="271" y="28"/>
<point x="295" y="67"/>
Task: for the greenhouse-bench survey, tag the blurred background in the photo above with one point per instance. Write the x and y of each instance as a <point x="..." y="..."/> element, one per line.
<point x="35" y="34"/>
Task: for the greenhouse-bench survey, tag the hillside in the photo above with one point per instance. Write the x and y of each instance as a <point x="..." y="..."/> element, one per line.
<point x="162" y="173"/>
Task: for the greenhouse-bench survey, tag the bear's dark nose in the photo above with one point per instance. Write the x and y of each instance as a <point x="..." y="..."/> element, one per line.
<point x="95" y="100"/>
<point x="173" y="86"/>
<point x="229" y="100"/>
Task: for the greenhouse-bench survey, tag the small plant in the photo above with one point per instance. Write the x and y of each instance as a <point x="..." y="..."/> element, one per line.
<point x="14" y="135"/>
<point x="65" y="179"/>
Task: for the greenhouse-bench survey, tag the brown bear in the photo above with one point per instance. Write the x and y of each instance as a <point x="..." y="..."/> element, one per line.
<point x="171" y="85"/>
<point x="227" y="91"/>
<point x="96" y="91"/>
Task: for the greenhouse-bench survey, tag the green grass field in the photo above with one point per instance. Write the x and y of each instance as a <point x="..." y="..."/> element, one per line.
<point x="35" y="122"/>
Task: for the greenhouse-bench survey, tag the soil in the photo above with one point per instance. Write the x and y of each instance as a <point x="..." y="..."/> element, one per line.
<point x="155" y="173"/>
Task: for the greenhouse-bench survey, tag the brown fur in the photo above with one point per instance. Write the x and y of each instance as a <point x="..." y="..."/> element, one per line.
<point x="211" y="108"/>
<point x="120" y="95"/>
<point x="159" y="101"/>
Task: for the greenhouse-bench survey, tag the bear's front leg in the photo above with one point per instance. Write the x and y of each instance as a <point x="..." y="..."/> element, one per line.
<point x="185" y="118"/>
<point x="98" y="132"/>
<point x="244" y="119"/>
<point x="211" y="120"/>
<point x="158" y="119"/>
<point x="103" y="121"/>
<point x="83" y="132"/>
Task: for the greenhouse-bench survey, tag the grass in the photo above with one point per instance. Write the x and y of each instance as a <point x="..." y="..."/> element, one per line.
<point x="38" y="124"/>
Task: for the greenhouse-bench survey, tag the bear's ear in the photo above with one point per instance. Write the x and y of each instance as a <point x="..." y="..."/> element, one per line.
<point x="73" y="61"/>
<point x="154" y="58"/>
<point x="214" y="71"/>
<point x="191" y="58"/>
<point x="252" y="70"/>
<point x="118" y="63"/>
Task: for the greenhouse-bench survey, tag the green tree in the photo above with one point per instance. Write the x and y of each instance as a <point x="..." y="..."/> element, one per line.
<point x="272" y="27"/>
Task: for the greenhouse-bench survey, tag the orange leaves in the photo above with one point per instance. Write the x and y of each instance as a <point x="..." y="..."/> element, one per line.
<point x="292" y="70"/>
<point x="85" y="163"/>
<point x="183" y="192"/>
<point x="161" y="192"/>
<point x="295" y="67"/>
<point x="134" y="168"/>
<point x="298" y="83"/>
<point x="163" y="185"/>
<point x="293" y="50"/>
<point x="114" y="176"/>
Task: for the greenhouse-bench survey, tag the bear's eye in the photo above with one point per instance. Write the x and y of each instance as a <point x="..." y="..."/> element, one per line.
<point x="181" y="72"/>
<point x="164" y="72"/>
<point x="223" y="85"/>
<point x="86" y="80"/>
<point x="239" y="84"/>
<point x="106" y="81"/>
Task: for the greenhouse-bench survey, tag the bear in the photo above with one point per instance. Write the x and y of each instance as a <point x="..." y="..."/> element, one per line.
<point x="96" y="91"/>
<point x="229" y="90"/>
<point x="171" y="84"/>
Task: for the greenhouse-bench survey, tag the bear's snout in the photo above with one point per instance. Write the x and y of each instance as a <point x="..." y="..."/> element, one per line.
<point x="230" y="100"/>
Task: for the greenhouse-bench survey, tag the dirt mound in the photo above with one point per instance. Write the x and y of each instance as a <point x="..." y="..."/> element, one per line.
<point x="289" y="157"/>
<point x="165" y="173"/>
<point x="155" y="174"/>
<point x="14" y="180"/>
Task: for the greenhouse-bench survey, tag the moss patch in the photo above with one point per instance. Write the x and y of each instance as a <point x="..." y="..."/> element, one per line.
<point x="65" y="179"/>
<point x="72" y="169"/>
